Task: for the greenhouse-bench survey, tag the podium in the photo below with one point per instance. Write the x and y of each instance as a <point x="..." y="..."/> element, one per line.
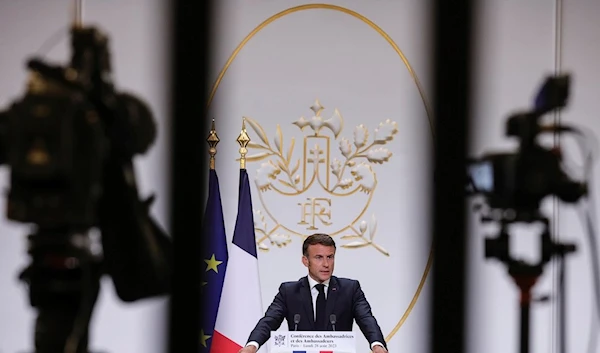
<point x="312" y="342"/>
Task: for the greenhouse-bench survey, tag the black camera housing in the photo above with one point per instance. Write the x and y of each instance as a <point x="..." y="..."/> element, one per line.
<point x="55" y="145"/>
<point x="520" y="180"/>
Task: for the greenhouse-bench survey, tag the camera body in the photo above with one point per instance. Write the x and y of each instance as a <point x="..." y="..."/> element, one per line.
<point x="57" y="138"/>
<point x="521" y="179"/>
<point x="55" y="145"/>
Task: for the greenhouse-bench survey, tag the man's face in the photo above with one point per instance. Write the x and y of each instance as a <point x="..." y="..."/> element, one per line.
<point x="320" y="261"/>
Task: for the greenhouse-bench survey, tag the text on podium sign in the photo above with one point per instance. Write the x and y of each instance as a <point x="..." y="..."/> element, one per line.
<point x="312" y="341"/>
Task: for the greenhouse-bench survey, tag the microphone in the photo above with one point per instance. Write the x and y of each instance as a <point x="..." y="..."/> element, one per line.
<point x="296" y="321"/>
<point x="332" y="320"/>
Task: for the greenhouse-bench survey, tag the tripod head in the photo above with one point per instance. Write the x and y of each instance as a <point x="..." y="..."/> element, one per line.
<point x="525" y="274"/>
<point x="69" y="143"/>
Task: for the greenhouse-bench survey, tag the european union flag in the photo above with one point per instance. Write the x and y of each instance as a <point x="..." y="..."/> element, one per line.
<point x="214" y="249"/>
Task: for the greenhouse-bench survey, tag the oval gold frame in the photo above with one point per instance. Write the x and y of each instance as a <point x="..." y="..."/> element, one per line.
<point x="381" y="32"/>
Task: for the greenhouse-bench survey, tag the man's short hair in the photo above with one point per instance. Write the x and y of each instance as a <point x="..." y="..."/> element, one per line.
<point x="317" y="238"/>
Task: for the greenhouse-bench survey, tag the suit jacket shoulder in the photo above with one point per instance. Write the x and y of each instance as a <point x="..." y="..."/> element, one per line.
<point x="293" y="286"/>
<point x="344" y="280"/>
<point x="346" y="285"/>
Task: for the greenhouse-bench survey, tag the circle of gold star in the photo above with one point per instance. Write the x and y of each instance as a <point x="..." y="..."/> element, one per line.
<point x="203" y="338"/>
<point x="212" y="264"/>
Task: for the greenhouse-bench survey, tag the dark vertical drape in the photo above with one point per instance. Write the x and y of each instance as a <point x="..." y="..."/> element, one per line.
<point x="190" y="63"/>
<point x="452" y="64"/>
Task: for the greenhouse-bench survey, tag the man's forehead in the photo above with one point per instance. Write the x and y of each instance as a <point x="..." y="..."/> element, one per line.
<point x="321" y="249"/>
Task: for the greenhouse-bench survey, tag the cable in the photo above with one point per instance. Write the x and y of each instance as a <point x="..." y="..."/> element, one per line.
<point x="595" y="316"/>
<point x="562" y="304"/>
<point x="62" y="32"/>
<point x="592" y="339"/>
<point x="52" y="41"/>
<point x="592" y="150"/>
<point x="595" y="263"/>
<point x="587" y="217"/>
<point x="589" y="148"/>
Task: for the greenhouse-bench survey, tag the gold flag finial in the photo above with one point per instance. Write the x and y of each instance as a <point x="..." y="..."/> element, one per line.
<point x="212" y="140"/>
<point x="243" y="140"/>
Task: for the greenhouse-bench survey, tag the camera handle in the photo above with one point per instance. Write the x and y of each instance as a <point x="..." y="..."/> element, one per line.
<point x="526" y="275"/>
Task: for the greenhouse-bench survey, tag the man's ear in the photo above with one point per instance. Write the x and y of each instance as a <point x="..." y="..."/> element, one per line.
<point x="305" y="260"/>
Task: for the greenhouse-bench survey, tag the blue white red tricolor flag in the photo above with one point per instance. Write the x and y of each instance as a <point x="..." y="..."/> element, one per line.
<point x="241" y="301"/>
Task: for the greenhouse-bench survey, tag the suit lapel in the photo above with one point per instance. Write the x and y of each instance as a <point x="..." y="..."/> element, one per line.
<point x="332" y="294"/>
<point x="306" y="299"/>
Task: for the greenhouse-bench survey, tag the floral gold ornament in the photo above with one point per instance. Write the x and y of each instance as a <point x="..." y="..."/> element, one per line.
<point x="316" y="177"/>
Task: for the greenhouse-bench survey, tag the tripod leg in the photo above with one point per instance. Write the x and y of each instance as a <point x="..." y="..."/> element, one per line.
<point x="525" y="326"/>
<point x="525" y="283"/>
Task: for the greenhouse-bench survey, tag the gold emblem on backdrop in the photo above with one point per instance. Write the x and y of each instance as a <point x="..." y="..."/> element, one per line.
<point x="316" y="177"/>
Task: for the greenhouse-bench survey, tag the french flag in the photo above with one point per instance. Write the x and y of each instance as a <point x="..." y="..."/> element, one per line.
<point x="241" y="302"/>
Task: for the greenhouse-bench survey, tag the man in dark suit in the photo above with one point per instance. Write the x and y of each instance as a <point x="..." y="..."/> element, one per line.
<point x="319" y="301"/>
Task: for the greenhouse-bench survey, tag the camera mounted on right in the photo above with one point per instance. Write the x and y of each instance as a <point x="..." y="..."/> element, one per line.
<point x="515" y="183"/>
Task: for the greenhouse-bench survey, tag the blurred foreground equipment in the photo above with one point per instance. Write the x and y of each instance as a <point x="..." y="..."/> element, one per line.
<point x="69" y="143"/>
<point x="514" y="184"/>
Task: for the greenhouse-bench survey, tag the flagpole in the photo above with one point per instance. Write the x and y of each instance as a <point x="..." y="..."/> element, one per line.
<point x="240" y="305"/>
<point x="243" y="140"/>
<point x="212" y="140"/>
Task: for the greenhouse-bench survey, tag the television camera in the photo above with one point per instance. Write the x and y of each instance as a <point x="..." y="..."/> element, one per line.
<point x="69" y="143"/>
<point x="514" y="184"/>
